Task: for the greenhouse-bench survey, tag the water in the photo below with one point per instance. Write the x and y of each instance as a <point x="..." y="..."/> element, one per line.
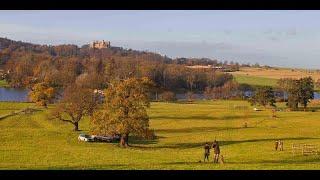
<point x="14" y="94"/>
<point x="21" y="95"/>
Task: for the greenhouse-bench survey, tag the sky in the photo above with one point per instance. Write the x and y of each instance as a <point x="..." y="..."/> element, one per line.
<point x="276" y="38"/>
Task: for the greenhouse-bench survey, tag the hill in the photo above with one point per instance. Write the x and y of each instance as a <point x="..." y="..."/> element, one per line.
<point x="63" y="64"/>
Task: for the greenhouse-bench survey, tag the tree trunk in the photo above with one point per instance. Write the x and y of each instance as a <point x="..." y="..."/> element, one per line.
<point x="124" y="140"/>
<point x="76" y="126"/>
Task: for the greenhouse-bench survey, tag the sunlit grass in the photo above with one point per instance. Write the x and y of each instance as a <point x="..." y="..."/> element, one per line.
<point x="3" y="83"/>
<point x="35" y="142"/>
<point x="254" y="80"/>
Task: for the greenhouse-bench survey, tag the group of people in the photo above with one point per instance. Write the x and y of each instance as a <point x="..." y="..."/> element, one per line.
<point x="215" y="147"/>
<point x="278" y="145"/>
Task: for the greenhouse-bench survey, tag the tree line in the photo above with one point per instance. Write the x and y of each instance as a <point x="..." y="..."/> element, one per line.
<point x="58" y="66"/>
<point x="295" y="91"/>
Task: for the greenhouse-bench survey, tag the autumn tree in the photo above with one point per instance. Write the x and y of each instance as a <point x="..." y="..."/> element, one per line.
<point x="293" y="95"/>
<point x="168" y="96"/>
<point x="76" y="103"/>
<point x="264" y="96"/>
<point x="299" y="91"/>
<point x="124" y="110"/>
<point x="42" y="94"/>
<point x="306" y="90"/>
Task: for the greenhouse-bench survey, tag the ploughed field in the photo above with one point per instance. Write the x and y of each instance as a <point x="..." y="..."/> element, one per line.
<point x="33" y="141"/>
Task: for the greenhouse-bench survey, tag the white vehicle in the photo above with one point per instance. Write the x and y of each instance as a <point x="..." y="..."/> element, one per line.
<point x="256" y="109"/>
<point x="86" y="138"/>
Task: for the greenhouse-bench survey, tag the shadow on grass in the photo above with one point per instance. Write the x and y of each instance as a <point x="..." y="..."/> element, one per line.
<point x="134" y="141"/>
<point x="202" y="117"/>
<point x="103" y="166"/>
<point x="198" y="129"/>
<point x="293" y="160"/>
<point x="221" y="143"/>
<point x="280" y="162"/>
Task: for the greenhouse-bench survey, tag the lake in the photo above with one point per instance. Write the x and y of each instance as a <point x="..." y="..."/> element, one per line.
<point x="21" y="95"/>
<point x="14" y="94"/>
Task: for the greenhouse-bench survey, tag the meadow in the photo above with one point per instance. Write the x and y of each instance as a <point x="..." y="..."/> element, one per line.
<point x="277" y="73"/>
<point x="34" y="141"/>
<point x="255" y="80"/>
<point x="3" y="83"/>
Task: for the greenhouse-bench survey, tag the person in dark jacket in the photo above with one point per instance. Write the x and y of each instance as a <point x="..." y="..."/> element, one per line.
<point x="215" y="146"/>
<point x="276" y="144"/>
<point x="206" y="152"/>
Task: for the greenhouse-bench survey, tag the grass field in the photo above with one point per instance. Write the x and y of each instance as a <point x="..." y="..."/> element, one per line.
<point x="255" y="80"/>
<point x="277" y="73"/>
<point x="35" y="142"/>
<point x="3" y="83"/>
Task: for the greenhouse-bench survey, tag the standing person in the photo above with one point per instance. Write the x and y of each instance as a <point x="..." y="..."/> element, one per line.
<point x="276" y="144"/>
<point x="215" y="146"/>
<point x="280" y="145"/>
<point x="206" y="152"/>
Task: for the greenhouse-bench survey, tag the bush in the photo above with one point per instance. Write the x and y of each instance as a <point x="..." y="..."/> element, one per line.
<point x="168" y="96"/>
<point x="150" y="134"/>
<point x="190" y="96"/>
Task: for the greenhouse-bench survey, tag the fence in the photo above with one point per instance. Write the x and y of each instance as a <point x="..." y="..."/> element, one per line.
<point x="305" y="149"/>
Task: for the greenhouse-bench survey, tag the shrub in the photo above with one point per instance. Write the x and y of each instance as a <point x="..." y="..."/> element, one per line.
<point x="190" y="96"/>
<point x="168" y="96"/>
<point x="150" y="134"/>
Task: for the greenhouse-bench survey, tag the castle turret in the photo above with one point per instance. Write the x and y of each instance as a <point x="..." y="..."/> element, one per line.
<point x="100" y="44"/>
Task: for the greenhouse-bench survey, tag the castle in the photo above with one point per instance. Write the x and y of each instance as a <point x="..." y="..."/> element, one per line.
<point x="100" y="44"/>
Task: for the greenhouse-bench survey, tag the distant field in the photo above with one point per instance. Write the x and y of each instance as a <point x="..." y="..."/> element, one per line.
<point x="3" y="83"/>
<point x="277" y="73"/>
<point x="35" y="142"/>
<point x="254" y="80"/>
<point x="263" y="76"/>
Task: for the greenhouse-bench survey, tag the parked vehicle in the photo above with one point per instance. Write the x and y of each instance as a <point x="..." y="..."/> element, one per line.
<point x="111" y="138"/>
<point x="86" y="138"/>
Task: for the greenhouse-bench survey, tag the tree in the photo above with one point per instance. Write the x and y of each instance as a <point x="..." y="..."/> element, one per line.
<point x="168" y="96"/>
<point x="75" y="104"/>
<point x="285" y="85"/>
<point x="306" y="89"/>
<point x="299" y="91"/>
<point x="190" y="96"/>
<point x="293" y="95"/>
<point x="264" y="96"/>
<point x="41" y="94"/>
<point x="124" y="110"/>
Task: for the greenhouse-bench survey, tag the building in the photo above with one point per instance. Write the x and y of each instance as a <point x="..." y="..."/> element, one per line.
<point x="204" y="67"/>
<point x="100" y="44"/>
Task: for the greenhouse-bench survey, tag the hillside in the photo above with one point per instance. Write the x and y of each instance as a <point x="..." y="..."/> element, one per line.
<point x="64" y="64"/>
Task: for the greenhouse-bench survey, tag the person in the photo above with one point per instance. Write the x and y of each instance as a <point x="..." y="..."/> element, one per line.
<point x="215" y="146"/>
<point x="276" y="144"/>
<point x="280" y="145"/>
<point x="206" y="152"/>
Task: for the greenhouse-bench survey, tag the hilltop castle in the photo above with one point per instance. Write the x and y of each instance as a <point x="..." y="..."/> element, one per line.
<point x="100" y="44"/>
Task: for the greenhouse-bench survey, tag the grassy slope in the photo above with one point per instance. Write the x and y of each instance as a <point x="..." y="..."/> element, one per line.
<point x="3" y="83"/>
<point x="254" y="80"/>
<point x="34" y="142"/>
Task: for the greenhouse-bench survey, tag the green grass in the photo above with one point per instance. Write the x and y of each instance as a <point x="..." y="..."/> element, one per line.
<point x="3" y="83"/>
<point x="35" y="142"/>
<point x="254" y="80"/>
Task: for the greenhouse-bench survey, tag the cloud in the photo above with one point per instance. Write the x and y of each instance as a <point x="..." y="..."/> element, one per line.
<point x="291" y="32"/>
<point x="273" y="38"/>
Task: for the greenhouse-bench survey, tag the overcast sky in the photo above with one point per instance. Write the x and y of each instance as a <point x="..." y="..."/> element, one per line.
<point x="278" y="38"/>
